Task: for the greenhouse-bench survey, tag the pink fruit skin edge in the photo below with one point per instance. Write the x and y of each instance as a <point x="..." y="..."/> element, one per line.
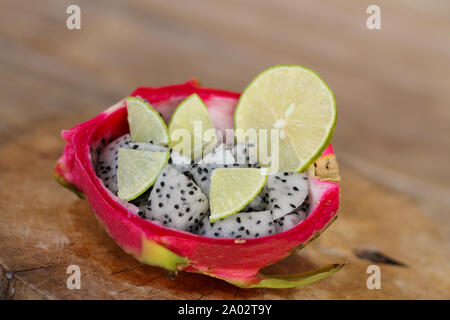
<point x="235" y="261"/>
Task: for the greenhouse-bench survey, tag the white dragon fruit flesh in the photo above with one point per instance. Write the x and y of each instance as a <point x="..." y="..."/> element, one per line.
<point x="293" y="218"/>
<point x="176" y="201"/>
<point x="239" y="225"/>
<point x="284" y="192"/>
<point x="179" y="197"/>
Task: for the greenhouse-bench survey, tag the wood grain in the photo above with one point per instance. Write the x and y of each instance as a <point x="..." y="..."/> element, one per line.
<point x="391" y="87"/>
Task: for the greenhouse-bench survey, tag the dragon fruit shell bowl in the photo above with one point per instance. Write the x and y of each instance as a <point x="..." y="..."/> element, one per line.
<point x="237" y="261"/>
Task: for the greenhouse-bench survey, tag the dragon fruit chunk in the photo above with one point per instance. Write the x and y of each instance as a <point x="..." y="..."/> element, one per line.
<point x="239" y="225"/>
<point x="292" y="219"/>
<point x="141" y="203"/>
<point x="284" y="192"/>
<point x="176" y="201"/>
<point x="245" y="154"/>
<point x="107" y="162"/>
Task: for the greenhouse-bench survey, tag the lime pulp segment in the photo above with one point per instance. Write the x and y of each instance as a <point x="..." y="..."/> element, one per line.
<point x="191" y="129"/>
<point x="137" y="171"/>
<point x="146" y="124"/>
<point x="232" y="189"/>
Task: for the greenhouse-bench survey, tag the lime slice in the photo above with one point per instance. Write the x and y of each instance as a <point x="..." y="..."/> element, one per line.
<point x="296" y="102"/>
<point x="232" y="189"/>
<point x="146" y="125"/>
<point x="191" y="129"/>
<point x="137" y="171"/>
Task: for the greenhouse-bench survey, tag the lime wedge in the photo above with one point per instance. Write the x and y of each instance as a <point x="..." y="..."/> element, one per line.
<point x="146" y="125"/>
<point x="137" y="171"/>
<point x="299" y="105"/>
<point x="232" y="189"/>
<point x="191" y="129"/>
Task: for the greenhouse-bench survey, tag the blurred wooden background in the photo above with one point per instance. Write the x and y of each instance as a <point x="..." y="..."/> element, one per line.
<point x="391" y="85"/>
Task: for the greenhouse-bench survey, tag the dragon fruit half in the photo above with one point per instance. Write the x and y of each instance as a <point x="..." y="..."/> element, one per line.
<point x="155" y="241"/>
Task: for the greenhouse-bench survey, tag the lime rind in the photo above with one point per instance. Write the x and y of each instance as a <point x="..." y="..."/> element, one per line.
<point x="156" y="121"/>
<point x="252" y="196"/>
<point x="327" y="138"/>
<point x="161" y="159"/>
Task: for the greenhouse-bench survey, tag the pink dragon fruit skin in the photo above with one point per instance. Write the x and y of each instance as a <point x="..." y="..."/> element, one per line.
<point x="234" y="260"/>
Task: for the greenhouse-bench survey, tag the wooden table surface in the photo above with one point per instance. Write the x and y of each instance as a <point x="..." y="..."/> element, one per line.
<point x="391" y="87"/>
